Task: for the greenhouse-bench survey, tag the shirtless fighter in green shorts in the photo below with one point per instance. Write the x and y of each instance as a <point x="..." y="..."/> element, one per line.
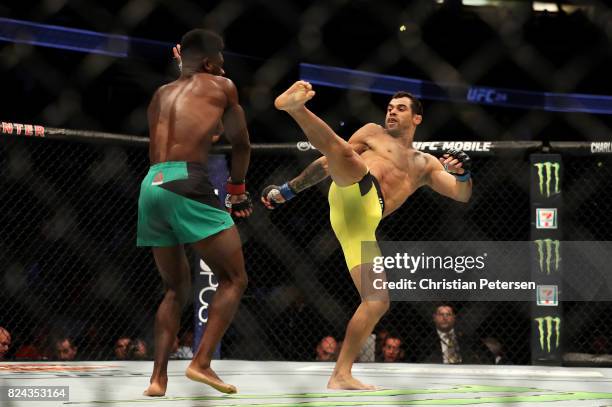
<point x="177" y="203"/>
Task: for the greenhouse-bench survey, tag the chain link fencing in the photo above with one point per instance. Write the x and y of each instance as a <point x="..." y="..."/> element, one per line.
<point x="72" y="270"/>
<point x="69" y="262"/>
<point x="588" y="325"/>
<point x="494" y="48"/>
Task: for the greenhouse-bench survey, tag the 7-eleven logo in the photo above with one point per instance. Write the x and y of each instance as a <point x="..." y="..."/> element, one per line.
<point x="546" y="218"/>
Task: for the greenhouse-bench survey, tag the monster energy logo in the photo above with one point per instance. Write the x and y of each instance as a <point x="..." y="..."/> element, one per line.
<point x="545" y="329"/>
<point x="547" y="173"/>
<point x="548" y="254"/>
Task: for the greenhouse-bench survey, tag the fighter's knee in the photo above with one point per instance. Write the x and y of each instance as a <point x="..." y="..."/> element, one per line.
<point x="235" y="277"/>
<point x="384" y="306"/>
<point x="184" y="289"/>
<point x="180" y="295"/>
<point x="378" y="308"/>
<point x="344" y="149"/>
<point x="184" y="295"/>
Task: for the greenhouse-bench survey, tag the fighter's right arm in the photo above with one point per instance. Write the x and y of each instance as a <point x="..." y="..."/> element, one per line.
<point x="317" y="171"/>
<point x="273" y="195"/>
<point x="236" y="133"/>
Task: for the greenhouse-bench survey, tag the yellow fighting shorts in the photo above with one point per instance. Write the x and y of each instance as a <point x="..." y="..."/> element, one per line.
<point x="355" y="212"/>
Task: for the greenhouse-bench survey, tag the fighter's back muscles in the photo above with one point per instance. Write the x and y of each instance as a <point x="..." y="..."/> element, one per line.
<point x="185" y="113"/>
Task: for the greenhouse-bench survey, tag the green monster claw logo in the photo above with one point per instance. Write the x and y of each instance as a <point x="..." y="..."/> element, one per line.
<point x="548" y="254"/>
<point x="547" y="171"/>
<point x="545" y="328"/>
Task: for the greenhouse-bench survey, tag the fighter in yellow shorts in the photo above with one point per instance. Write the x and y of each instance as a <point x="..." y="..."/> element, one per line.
<point x="373" y="174"/>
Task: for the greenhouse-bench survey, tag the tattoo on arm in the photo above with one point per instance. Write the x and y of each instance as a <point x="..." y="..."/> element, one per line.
<point x="313" y="174"/>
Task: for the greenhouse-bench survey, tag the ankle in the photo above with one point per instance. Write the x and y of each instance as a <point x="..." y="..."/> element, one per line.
<point x="199" y="366"/>
<point x="340" y="375"/>
<point x="296" y="110"/>
<point x="159" y="379"/>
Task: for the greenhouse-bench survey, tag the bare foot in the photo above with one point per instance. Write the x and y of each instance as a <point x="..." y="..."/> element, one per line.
<point x="295" y="97"/>
<point x="209" y="377"/>
<point x="347" y="383"/>
<point x="155" y="389"/>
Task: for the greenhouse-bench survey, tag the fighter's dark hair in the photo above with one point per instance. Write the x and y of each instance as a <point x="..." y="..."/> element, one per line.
<point x="200" y="43"/>
<point x="416" y="106"/>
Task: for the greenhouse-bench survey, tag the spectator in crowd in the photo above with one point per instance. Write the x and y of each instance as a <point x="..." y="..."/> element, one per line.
<point x="180" y="352"/>
<point x="600" y="345"/>
<point x="448" y="345"/>
<point x="64" y="348"/>
<point x="327" y="349"/>
<point x="30" y="351"/>
<point x="183" y="349"/>
<point x="392" y="349"/>
<point x="36" y="349"/>
<point x="122" y="346"/>
<point x="497" y="350"/>
<point x="5" y="342"/>
<point x="93" y="343"/>
<point x="302" y="321"/>
<point x="381" y="335"/>
<point x="138" y="350"/>
<point x="174" y="349"/>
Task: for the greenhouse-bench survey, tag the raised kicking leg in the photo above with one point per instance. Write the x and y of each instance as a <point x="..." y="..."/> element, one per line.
<point x="345" y="165"/>
<point x="345" y="168"/>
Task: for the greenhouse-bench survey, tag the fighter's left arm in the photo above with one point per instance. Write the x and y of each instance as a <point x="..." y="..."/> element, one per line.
<point x="450" y="175"/>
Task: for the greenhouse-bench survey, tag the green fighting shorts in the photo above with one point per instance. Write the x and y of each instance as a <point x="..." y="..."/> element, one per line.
<point x="178" y="205"/>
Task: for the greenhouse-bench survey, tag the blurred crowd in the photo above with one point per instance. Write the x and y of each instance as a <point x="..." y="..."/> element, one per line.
<point x="443" y="341"/>
<point x="60" y="347"/>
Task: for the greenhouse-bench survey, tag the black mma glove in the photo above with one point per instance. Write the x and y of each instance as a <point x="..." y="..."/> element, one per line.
<point x="466" y="162"/>
<point x="237" y="189"/>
